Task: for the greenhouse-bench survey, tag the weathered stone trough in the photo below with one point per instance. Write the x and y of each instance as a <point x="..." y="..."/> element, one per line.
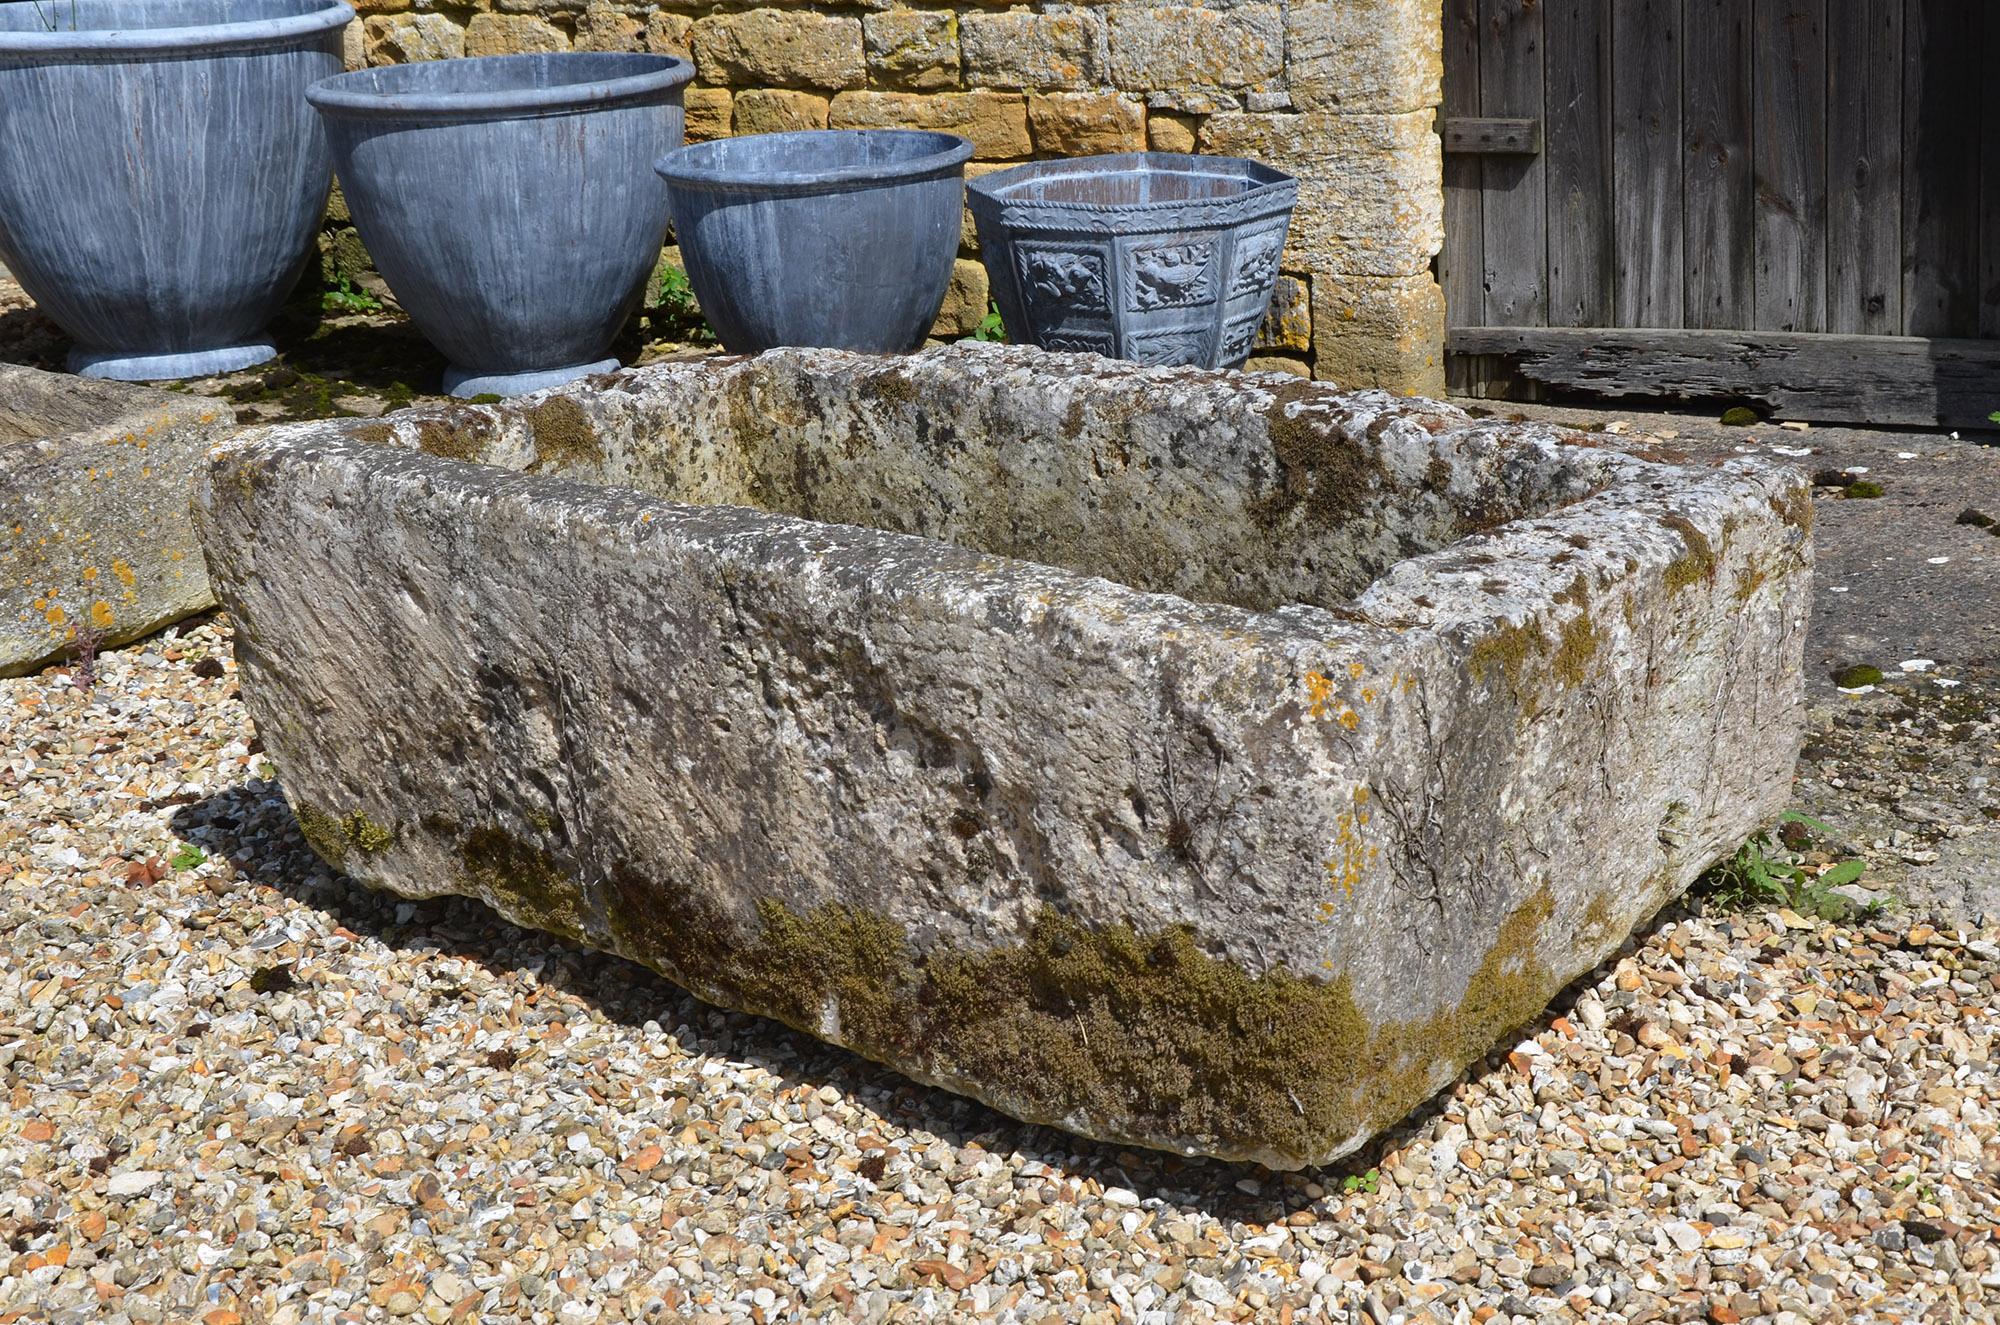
<point x="95" y="534"/>
<point x="1201" y="761"/>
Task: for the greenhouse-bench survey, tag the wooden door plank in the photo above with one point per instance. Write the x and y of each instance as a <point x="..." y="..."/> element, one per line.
<point x="1864" y="156"/>
<point x="1462" y="265"/>
<point x="1989" y="175"/>
<point x="1720" y="207"/>
<point x="1941" y="48"/>
<point x="1875" y="379"/>
<point x="1577" y="146"/>
<point x="1788" y="39"/>
<point x="1646" y="163"/>
<point x="1515" y="188"/>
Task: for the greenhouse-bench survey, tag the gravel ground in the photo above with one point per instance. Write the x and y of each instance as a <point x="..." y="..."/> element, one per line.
<point x="238" y="1088"/>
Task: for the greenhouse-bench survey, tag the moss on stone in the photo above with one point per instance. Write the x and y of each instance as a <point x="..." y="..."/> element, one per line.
<point x="1321" y="471"/>
<point x="323" y="833"/>
<point x="1108" y="1030"/>
<point x="375" y="434"/>
<point x="564" y="435"/>
<point x="895" y="386"/>
<point x="458" y="437"/>
<point x="1509" y="648"/>
<point x="1575" y="650"/>
<point x="1856" y="676"/>
<point x="332" y="836"/>
<point x="1862" y="488"/>
<point x="1795" y="508"/>
<point x="527" y="883"/>
<point x="1695" y="566"/>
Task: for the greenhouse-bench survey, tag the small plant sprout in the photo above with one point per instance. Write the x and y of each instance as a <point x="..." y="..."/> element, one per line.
<point x="991" y="327"/>
<point x="187" y="856"/>
<point x="348" y="299"/>
<point x="1754" y="877"/>
<point x="85" y="643"/>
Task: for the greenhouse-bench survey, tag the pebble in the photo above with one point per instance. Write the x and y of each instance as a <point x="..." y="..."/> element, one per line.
<point x="437" y="1116"/>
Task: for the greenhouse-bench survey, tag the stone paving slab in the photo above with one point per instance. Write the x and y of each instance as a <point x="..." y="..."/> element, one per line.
<point x="96" y="545"/>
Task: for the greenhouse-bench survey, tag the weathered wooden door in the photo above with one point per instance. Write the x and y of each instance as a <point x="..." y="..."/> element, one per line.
<point x="1790" y="202"/>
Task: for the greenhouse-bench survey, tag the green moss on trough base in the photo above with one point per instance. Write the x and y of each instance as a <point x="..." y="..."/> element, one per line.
<point x="332" y="836"/>
<point x="1121" y="1035"/>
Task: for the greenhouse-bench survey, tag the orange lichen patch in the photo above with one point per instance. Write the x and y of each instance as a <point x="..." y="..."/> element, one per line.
<point x="89" y="573"/>
<point x="1351" y="854"/>
<point x="101" y="615"/>
<point x="123" y="570"/>
<point x="1355" y="670"/>
<point x="55" y="616"/>
<point x="1319" y="691"/>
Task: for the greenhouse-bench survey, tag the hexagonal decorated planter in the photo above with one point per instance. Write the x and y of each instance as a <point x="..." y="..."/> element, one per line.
<point x="1149" y="256"/>
<point x="160" y="173"/>
<point x="1207" y="761"/>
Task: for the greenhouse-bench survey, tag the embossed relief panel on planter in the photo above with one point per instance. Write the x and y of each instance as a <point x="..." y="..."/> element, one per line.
<point x="1067" y="289"/>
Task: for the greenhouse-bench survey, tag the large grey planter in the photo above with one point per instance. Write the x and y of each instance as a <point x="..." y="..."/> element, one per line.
<point x="160" y="174"/>
<point x="1149" y="256"/>
<point x="841" y="239"/>
<point x="509" y="201"/>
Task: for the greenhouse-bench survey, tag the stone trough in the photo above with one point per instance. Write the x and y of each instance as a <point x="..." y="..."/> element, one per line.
<point x="95" y="534"/>
<point x="1210" y="762"/>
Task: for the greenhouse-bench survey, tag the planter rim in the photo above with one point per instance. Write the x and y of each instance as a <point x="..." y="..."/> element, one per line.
<point x="709" y="166"/>
<point x="114" y="41"/>
<point x="1262" y="182"/>
<point x="606" y="78"/>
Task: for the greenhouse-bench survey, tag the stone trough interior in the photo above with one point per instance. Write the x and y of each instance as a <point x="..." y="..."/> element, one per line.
<point x="1257" y="500"/>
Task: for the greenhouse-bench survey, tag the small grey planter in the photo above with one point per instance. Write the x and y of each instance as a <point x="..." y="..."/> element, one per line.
<point x="509" y="201"/>
<point x="1149" y="256"/>
<point x="160" y="173"/>
<point x="842" y="239"/>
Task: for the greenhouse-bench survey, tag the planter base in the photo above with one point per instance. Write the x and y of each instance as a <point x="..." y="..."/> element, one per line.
<point x="165" y="367"/>
<point x="459" y="383"/>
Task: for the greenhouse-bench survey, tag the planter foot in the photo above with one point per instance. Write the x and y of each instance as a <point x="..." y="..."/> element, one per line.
<point x="466" y="385"/>
<point x="163" y="367"/>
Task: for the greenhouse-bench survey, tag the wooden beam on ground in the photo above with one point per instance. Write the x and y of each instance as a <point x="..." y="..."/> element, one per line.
<point x="1845" y="379"/>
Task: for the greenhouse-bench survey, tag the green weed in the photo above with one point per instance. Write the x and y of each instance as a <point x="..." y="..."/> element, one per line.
<point x="991" y="327"/>
<point x="187" y="856"/>
<point x="347" y="299"/>
<point x="1755" y="879"/>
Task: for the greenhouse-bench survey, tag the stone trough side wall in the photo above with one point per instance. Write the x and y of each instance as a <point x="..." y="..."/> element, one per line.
<point x="1340" y="93"/>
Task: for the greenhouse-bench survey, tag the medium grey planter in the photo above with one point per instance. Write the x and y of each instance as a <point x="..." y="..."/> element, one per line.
<point x="160" y="173"/>
<point x="841" y="239"/>
<point x="1149" y="256"/>
<point x="509" y="201"/>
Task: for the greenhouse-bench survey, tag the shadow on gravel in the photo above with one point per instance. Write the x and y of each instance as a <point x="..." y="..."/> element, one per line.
<point x="631" y="995"/>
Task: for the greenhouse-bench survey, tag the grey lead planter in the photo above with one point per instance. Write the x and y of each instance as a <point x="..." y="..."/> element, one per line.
<point x="510" y="201"/>
<point x="840" y="239"/>
<point x="1149" y="256"/>
<point x="160" y="174"/>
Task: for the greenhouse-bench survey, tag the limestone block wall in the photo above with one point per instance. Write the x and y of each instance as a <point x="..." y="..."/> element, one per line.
<point x="1341" y="93"/>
